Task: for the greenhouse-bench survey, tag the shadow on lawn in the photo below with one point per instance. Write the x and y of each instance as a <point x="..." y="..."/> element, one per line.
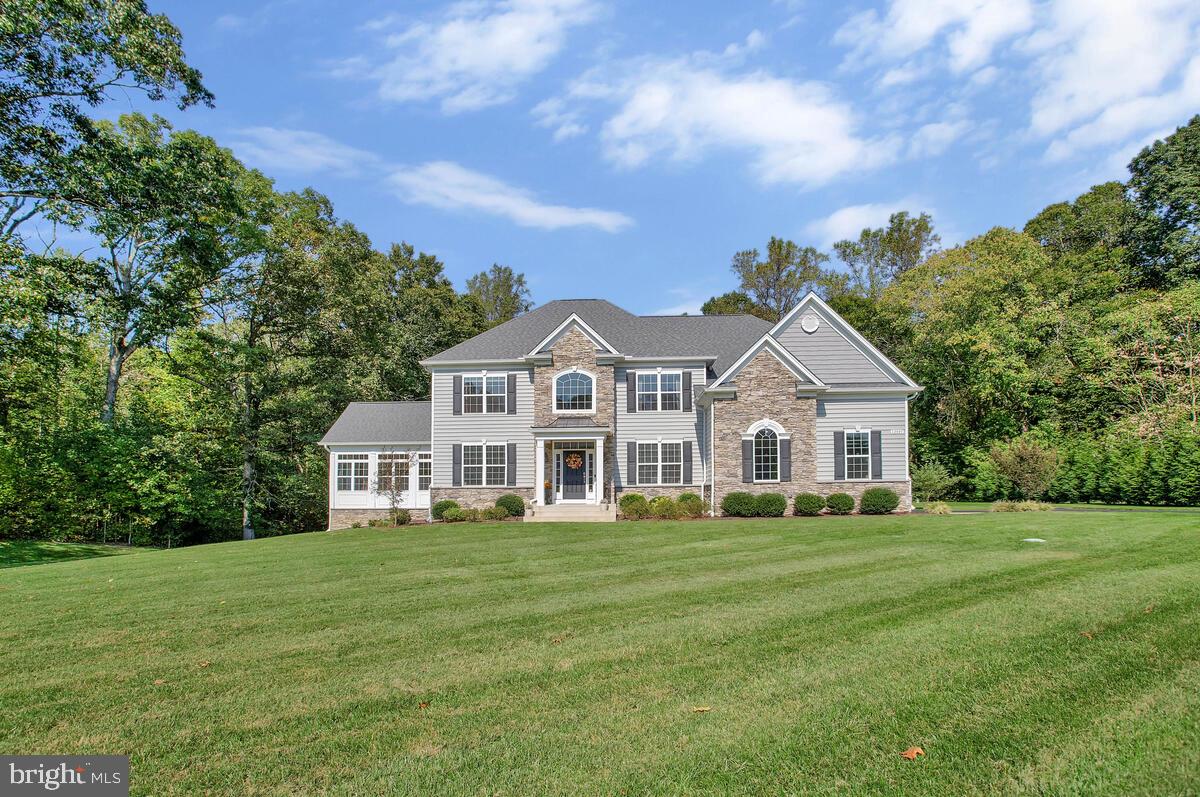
<point x="20" y="553"/>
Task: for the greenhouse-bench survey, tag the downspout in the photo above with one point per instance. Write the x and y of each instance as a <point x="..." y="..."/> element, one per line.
<point x="712" y="450"/>
<point x="703" y="463"/>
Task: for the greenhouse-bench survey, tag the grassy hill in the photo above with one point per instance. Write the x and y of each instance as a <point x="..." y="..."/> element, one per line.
<point x="538" y="659"/>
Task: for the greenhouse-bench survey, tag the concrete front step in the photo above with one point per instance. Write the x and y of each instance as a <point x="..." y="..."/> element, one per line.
<point x="571" y="513"/>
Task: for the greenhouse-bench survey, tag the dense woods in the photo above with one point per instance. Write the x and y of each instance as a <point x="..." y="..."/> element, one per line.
<point x="166" y="382"/>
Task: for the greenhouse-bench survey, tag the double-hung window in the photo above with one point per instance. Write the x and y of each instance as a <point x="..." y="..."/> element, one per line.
<point x="485" y="464"/>
<point x="659" y="391"/>
<point x="766" y="456"/>
<point x="858" y="455"/>
<point x="393" y="472"/>
<point x="352" y="472"/>
<point x="485" y="394"/>
<point x="660" y="463"/>
<point x="424" y="470"/>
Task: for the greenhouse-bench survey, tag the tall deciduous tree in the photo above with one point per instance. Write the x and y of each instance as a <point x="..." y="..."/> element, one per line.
<point x="1165" y="182"/>
<point x="777" y="283"/>
<point x="58" y="57"/>
<point x="732" y="303"/>
<point x="503" y="294"/>
<point x="882" y="254"/>
<point x="157" y="202"/>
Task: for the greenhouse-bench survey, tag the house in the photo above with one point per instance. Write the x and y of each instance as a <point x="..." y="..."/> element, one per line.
<point x="579" y="401"/>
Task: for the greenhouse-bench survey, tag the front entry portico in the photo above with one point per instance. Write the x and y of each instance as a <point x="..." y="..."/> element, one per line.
<point x="570" y="467"/>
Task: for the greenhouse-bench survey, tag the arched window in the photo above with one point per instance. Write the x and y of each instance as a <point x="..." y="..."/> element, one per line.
<point x="766" y="455"/>
<point x="574" y="392"/>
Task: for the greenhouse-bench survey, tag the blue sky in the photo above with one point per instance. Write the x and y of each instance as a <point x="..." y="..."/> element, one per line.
<point x="626" y="150"/>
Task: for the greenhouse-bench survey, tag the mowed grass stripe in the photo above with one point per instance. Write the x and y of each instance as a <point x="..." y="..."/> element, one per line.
<point x="820" y="646"/>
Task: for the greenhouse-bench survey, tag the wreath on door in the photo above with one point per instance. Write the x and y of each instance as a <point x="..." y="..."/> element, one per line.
<point x="574" y="461"/>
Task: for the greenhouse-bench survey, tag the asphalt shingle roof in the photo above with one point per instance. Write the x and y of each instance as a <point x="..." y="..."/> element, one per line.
<point x="725" y="337"/>
<point x="382" y="422"/>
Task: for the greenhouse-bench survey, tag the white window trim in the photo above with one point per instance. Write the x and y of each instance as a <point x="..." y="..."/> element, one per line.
<point x="779" y="436"/>
<point x="483" y="463"/>
<point x="484" y="375"/>
<point x="554" y="392"/>
<point x="658" y="394"/>
<point x="352" y="457"/>
<point x="846" y="454"/>
<point x="658" y="482"/>
<point x="765" y="423"/>
<point x="424" y="458"/>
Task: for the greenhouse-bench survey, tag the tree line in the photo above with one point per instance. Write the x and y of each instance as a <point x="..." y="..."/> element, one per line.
<point x="1075" y="340"/>
<point x="165" y="382"/>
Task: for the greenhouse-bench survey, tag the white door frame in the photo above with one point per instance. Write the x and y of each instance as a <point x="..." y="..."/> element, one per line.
<point x="589" y="460"/>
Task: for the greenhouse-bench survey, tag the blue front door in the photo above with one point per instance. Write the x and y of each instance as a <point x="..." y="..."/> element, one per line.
<point x="574" y="475"/>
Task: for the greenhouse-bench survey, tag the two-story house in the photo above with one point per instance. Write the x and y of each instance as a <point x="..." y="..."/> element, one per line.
<point x="578" y="401"/>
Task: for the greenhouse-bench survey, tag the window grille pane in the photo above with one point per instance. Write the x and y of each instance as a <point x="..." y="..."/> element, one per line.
<point x="472" y="394"/>
<point x="648" y="463"/>
<point x="424" y="471"/>
<point x="473" y="466"/>
<point x="858" y="455"/>
<point x="671" y="391"/>
<point x="647" y="392"/>
<point x="672" y="463"/>
<point x="766" y="456"/>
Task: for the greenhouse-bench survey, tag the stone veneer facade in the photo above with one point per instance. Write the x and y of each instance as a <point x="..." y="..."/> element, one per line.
<point x="477" y="497"/>
<point x="346" y="518"/>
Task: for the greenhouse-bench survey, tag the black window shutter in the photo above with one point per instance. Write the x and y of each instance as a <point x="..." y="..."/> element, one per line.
<point x="630" y="392"/>
<point x="747" y="461"/>
<point x="687" y="461"/>
<point x="511" y="481"/>
<point x="510" y="400"/>
<point x="458" y="394"/>
<point x="631" y="463"/>
<point x="687" y="391"/>
<point x="839" y="455"/>
<point x="456" y="462"/>
<point x="785" y="459"/>
<point x="876" y="454"/>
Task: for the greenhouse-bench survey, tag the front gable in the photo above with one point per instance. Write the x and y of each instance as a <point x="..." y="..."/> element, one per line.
<point x="832" y="349"/>
<point x="572" y="323"/>
<point x="772" y="348"/>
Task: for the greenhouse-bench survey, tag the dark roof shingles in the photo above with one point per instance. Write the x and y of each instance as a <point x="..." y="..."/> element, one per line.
<point x="382" y="422"/>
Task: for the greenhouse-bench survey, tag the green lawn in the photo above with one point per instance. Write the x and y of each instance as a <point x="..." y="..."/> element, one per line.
<point x="985" y="506"/>
<point x="18" y="553"/>
<point x="542" y="659"/>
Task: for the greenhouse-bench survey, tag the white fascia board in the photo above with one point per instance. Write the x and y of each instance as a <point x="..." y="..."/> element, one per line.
<point x="847" y="331"/>
<point x="573" y="318"/>
<point x="454" y="365"/>
<point x="780" y="353"/>
<point x="898" y="390"/>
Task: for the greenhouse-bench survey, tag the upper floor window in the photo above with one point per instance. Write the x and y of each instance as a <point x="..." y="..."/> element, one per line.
<point x="766" y="456"/>
<point x="485" y="394"/>
<point x="659" y="391"/>
<point x="574" y="392"/>
<point x="858" y="455"/>
<point x="352" y="472"/>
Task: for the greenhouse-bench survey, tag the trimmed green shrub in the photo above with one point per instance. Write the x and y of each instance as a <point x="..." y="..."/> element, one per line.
<point x="770" y="505"/>
<point x="665" y="507"/>
<point x="439" y="509"/>
<point x="356" y="525"/>
<point x="691" y="505"/>
<point x="878" y="501"/>
<point x="738" y="505"/>
<point x="938" y="508"/>
<point x="634" y="506"/>
<point x="1004" y="506"/>
<point x="514" y="505"/>
<point x="808" y="505"/>
<point x="453" y="514"/>
<point x="375" y="523"/>
<point x="840" y="503"/>
<point x="401" y="517"/>
<point x="495" y="513"/>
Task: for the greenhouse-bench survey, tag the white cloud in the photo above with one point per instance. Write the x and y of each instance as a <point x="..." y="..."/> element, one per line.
<point x="476" y="54"/>
<point x="682" y="109"/>
<point x="848" y="222"/>
<point x="1107" y="70"/>
<point x="554" y="113"/>
<point x="448" y="185"/>
<point x="299" y="151"/>
<point x="971" y="29"/>
<point x="936" y="137"/>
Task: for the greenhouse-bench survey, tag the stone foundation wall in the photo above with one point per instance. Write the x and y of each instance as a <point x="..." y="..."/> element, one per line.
<point x="346" y="518"/>
<point x="673" y="492"/>
<point x="478" y="497"/>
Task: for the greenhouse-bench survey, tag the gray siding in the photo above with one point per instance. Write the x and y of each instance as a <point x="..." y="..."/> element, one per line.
<point x="887" y="414"/>
<point x="646" y="426"/>
<point x="449" y="428"/>
<point x="828" y="354"/>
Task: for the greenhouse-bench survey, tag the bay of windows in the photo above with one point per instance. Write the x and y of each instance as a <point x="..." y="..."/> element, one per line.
<point x="485" y="465"/>
<point x="660" y="463"/>
<point x="485" y="394"/>
<point x="656" y="391"/>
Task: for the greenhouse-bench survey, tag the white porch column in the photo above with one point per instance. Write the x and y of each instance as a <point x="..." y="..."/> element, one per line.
<point x="601" y="470"/>
<point x="539" y="493"/>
